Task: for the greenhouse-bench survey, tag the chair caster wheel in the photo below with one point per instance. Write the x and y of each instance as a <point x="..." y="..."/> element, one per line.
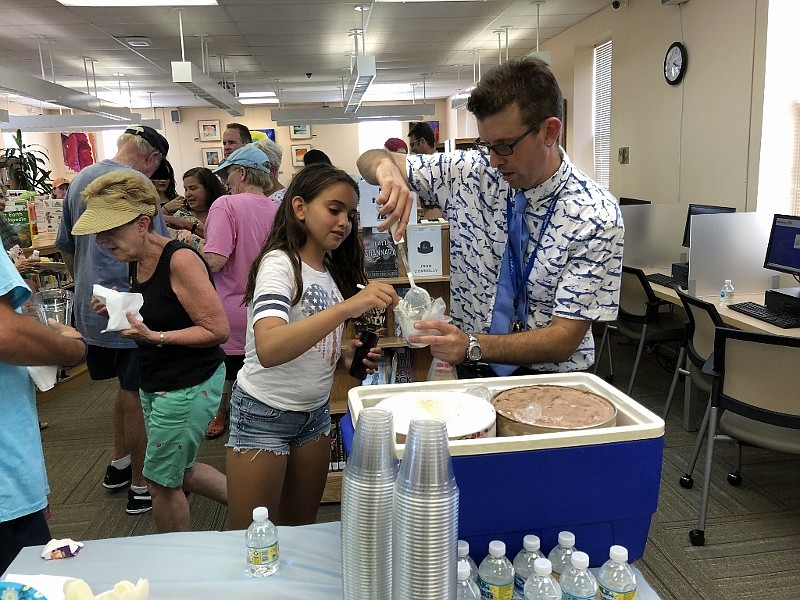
<point x="735" y="478"/>
<point x="687" y="482"/>
<point x="697" y="537"/>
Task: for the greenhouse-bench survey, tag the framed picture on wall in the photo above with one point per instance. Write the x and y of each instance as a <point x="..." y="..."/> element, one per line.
<point x="298" y="152"/>
<point x="212" y="157"/>
<point x="300" y="132"/>
<point x="260" y="134"/>
<point x="209" y="131"/>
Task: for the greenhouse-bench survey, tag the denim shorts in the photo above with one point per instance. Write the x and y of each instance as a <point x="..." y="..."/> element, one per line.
<point x="258" y="426"/>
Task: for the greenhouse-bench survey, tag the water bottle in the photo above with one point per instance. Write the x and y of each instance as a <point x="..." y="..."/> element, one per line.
<point x="577" y="582"/>
<point x="560" y="555"/>
<point x="523" y="564"/>
<point x="726" y="293"/>
<point x="261" y="539"/>
<point x="496" y="575"/>
<point x="542" y="585"/>
<point x="466" y="589"/>
<point x="463" y="556"/>
<point x="616" y="579"/>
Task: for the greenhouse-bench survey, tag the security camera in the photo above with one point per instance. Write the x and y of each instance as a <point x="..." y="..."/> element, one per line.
<point x="617" y="4"/>
<point x="309" y="75"/>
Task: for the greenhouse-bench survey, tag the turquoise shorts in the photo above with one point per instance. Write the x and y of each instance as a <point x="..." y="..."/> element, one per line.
<point x="176" y="423"/>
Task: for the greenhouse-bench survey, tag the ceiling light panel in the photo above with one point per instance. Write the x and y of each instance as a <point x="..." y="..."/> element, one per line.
<point x="137" y="3"/>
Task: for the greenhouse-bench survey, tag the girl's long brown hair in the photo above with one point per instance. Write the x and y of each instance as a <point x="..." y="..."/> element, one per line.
<point x="345" y="263"/>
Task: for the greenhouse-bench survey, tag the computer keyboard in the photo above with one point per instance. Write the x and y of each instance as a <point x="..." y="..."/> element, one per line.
<point x="665" y="280"/>
<point x="762" y="313"/>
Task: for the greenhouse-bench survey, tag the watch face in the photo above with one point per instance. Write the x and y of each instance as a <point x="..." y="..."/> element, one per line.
<point x="675" y="63"/>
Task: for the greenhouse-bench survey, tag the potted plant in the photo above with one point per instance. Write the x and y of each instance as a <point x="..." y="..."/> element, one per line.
<point x="25" y="164"/>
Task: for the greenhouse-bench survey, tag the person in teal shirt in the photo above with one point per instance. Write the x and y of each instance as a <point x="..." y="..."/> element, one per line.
<point x="23" y="479"/>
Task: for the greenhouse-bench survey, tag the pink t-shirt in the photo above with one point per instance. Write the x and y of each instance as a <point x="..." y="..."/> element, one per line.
<point x="236" y="228"/>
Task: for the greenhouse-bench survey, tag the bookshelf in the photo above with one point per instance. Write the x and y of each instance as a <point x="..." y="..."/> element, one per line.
<point x="438" y="287"/>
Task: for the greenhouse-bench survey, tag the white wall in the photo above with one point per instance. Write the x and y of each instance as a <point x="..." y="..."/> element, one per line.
<point x="688" y="143"/>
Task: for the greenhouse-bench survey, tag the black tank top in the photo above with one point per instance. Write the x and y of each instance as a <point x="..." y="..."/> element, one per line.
<point x="170" y="367"/>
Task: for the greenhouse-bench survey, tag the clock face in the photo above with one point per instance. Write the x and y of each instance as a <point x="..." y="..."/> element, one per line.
<point x="675" y="63"/>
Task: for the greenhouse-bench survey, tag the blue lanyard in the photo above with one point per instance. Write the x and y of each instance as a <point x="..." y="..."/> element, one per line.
<point x="516" y="247"/>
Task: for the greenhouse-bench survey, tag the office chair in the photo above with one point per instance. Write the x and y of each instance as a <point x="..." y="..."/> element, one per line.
<point x="754" y="400"/>
<point x="640" y="319"/>
<point x="698" y="346"/>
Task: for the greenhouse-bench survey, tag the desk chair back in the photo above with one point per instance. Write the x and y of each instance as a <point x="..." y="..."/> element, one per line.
<point x="640" y="319"/>
<point x="755" y="387"/>
<point x="702" y="322"/>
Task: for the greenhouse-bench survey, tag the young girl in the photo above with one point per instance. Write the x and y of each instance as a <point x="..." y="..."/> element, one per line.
<point x="302" y="288"/>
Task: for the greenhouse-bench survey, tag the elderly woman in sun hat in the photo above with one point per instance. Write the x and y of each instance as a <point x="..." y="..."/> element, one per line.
<point x="181" y="364"/>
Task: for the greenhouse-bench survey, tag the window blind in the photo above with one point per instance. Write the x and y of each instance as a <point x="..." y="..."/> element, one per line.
<point x="601" y="113"/>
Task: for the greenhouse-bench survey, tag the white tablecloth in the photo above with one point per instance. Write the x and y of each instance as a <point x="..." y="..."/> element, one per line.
<point x="211" y="564"/>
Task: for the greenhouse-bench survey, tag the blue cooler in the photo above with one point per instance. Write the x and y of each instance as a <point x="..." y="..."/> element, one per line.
<point x="600" y="484"/>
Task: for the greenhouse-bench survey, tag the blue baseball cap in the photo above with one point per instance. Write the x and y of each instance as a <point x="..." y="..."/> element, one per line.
<point x="249" y="156"/>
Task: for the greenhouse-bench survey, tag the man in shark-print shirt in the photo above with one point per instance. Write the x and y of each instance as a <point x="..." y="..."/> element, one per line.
<point x="575" y="231"/>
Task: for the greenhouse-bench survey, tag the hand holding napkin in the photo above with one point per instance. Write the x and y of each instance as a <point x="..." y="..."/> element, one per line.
<point x="117" y="304"/>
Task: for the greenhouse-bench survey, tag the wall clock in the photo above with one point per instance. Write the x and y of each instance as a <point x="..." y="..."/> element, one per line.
<point x="675" y="63"/>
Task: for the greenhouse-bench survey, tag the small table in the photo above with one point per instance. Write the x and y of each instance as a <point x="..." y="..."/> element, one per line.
<point x="211" y="564"/>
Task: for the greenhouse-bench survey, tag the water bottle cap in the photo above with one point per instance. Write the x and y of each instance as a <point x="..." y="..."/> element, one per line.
<point x="260" y="514"/>
<point x="463" y="548"/>
<point x="497" y="548"/>
<point x="463" y="571"/>
<point x="727" y="281"/>
<point x="580" y="560"/>
<point x="531" y="543"/>
<point x="542" y="566"/>
<point x="566" y="539"/>
<point x="618" y="553"/>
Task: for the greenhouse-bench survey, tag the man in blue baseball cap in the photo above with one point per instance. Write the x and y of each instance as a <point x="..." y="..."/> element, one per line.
<point x="236" y="227"/>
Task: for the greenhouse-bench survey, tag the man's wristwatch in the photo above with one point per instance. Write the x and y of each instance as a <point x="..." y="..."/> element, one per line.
<point x="474" y="352"/>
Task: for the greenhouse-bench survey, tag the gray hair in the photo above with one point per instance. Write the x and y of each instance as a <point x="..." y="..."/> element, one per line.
<point x="258" y="178"/>
<point x="142" y="145"/>
<point x="273" y="151"/>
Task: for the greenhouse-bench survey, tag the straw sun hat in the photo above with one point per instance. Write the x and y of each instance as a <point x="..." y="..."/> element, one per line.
<point x="115" y="199"/>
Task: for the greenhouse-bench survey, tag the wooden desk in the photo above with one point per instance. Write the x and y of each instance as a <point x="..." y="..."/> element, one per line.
<point x="735" y="319"/>
<point x="731" y="317"/>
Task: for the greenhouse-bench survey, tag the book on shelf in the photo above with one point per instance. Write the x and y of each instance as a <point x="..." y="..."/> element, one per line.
<point x="340" y="452"/>
<point x="18" y="216"/>
<point x="48" y="216"/>
<point x="333" y="464"/>
<point x="380" y="253"/>
<point x="425" y="249"/>
<point x="404" y="369"/>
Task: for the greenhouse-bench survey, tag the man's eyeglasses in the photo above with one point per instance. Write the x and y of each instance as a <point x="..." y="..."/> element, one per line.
<point x="504" y="149"/>
<point x="413" y="143"/>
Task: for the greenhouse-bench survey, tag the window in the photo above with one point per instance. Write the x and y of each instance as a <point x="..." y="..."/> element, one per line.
<point x="601" y="113"/>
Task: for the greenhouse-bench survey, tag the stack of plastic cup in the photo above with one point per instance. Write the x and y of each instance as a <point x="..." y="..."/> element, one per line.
<point x="367" y="497"/>
<point x="425" y="521"/>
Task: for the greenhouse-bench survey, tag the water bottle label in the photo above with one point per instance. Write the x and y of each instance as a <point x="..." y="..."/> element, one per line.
<point x="495" y="592"/>
<point x="568" y="596"/>
<point x="519" y="585"/>
<point x="263" y="556"/>
<point x="607" y="594"/>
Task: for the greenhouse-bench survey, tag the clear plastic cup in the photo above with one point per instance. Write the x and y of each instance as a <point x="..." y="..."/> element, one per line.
<point x="373" y="449"/>
<point x="426" y="465"/>
<point x="54" y="304"/>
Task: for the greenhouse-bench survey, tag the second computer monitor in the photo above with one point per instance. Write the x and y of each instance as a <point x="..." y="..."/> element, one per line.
<point x="701" y="209"/>
<point x="783" y="250"/>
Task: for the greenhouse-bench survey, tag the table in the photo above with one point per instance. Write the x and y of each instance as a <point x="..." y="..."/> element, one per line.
<point x="211" y="564"/>
<point x="735" y="319"/>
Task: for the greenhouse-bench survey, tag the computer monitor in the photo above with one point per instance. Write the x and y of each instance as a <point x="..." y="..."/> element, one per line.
<point x="783" y="249"/>
<point x="701" y="209"/>
<point x="623" y="201"/>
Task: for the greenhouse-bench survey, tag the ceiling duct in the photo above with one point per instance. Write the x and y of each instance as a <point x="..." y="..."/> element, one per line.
<point x="336" y="116"/>
<point x="68" y="123"/>
<point x="14" y="82"/>
<point x="187" y="75"/>
<point x="360" y="79"/>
